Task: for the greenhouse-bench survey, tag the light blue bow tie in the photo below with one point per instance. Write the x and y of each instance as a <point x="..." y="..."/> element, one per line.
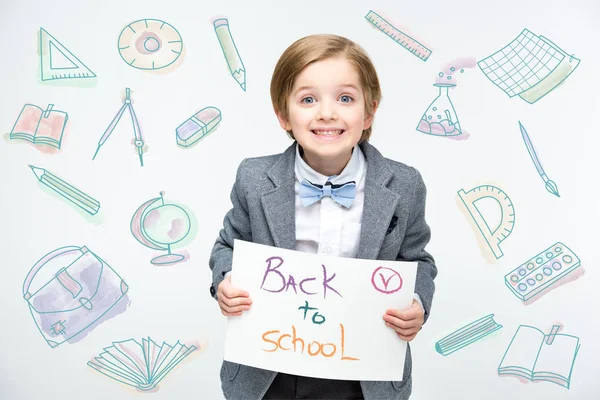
<point x="343" y="194"/>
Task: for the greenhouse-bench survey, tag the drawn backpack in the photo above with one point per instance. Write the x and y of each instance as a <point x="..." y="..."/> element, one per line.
<point x="79" y="288"/>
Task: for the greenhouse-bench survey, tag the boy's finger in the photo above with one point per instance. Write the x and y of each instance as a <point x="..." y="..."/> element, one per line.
<point x="404" y="331"/>
<point x="235" y="309"/>
<point x="231" y="292"/>
<point x="237" y="301"/>
<point x="406" y="315"/>
<point x="406" y="338"/>
<point x="400" y="323"/>
<point x="227" y="314"/>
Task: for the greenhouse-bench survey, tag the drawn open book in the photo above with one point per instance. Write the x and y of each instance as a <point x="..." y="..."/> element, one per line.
<point x="140" y="365"/>
<point x="535" y="356"/>
<point x="40" y="126"/>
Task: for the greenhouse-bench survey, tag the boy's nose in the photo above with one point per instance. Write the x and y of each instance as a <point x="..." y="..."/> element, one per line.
<point x="326" y="111"/>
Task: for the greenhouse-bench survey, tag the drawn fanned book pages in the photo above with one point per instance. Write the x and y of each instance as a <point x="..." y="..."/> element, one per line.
<point x="535" y="356"/>
<point x="143" y="365"/>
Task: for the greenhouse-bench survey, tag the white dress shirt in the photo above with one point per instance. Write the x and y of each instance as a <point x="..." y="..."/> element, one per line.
<point x="327" y="227"/>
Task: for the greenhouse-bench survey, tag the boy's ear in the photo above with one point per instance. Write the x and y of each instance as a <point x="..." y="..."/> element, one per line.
<point x="369" y="118"/>
<point x="283" y="121"/>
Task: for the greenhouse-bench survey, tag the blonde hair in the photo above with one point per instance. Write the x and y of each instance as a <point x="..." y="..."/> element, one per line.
<point x="315" y="48"/>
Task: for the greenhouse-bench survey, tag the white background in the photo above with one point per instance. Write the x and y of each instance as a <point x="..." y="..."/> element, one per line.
<point x="172" y="303"/>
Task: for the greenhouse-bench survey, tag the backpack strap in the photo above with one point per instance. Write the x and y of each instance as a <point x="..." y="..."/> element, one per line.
<point x="42" y="261"/>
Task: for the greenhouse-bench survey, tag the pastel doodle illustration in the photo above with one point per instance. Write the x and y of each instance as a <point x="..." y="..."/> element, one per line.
<point x="440" y="118"/>
<point x="39" y="126"/>
<point x="198" y="126"/>
<point x="495" y="234"/>
<point x="159" y="226"/>
<point x="83" y="292"/>
<point x="547" y="269"/>
<point x="150" y="44"/>
<point x="138" y="140"/>
<point x="536" y="356"/>
<point x="230" y="51"/>
<point x="403" y="39"/>
<point x="57" y="62"/>
<point x="66" y="190"/>
<point x="530" y="67"/>
<point x="386" y="280"/>
<point x="467" y="335"/>
<point x="141" y="365"/>
<point x="549" y="183"/>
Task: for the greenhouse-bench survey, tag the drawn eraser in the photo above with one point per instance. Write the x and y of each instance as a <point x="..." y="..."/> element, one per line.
<point x="197" y="126"/>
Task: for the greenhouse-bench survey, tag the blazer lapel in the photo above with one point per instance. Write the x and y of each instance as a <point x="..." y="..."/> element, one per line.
<point x="380" y="203"/>
<point x="279" y="204"/>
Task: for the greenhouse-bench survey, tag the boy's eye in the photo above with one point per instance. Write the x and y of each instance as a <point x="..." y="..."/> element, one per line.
<point x="346" y="99"/>
<point x="308" y="100"/>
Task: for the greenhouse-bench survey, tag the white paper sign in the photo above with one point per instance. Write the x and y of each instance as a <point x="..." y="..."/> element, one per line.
<point x="319" y="316"/>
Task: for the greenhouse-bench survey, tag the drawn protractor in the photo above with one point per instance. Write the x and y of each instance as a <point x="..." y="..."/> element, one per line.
<point x="493" y="235"/>
<point x="150" y="44"/>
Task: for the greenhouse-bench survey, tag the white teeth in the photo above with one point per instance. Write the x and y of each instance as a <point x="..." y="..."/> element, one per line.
<point x="328" y="133"/>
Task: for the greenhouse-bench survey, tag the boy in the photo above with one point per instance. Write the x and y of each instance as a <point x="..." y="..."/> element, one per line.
<point x="330" y="192"/>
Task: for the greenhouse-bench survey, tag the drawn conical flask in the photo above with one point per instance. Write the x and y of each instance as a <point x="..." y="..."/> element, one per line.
<point x="440" y="119"/>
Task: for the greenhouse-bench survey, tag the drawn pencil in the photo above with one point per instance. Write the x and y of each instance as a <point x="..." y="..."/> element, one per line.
<point x="69" y="192"/>
<point x="234" y="61"/>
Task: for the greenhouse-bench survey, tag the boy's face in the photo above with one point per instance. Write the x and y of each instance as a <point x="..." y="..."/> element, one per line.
<point x="327" y="112"/>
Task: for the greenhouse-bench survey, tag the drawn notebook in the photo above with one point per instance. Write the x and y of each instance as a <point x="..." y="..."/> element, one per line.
<point x="140" y="365"/>
<point x="40" y="126"/>
<point x="530" y="356"/>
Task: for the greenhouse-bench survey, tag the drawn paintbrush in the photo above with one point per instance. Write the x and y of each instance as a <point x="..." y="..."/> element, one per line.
<point x="550" y="185"/>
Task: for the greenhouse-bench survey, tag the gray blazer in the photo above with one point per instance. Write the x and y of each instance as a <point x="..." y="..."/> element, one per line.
<point x="393" y="228"/>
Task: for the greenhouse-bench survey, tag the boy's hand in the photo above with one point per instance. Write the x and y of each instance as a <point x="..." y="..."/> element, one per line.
<point x="231" y="300"/>
<point x="407" y="323"/>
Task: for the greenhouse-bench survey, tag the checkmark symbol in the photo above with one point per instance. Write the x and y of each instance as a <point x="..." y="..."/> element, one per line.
<point x="385" y="282"/>
<point x="385" y="287"/>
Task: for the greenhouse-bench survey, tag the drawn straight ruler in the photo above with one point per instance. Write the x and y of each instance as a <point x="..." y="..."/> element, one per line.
<point x="74" y="195"/>
<point x="409" y="43"/>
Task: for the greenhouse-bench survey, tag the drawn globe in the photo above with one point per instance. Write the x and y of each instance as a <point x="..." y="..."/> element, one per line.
<point x="158" y="225"/>
<point x="166" y="224"/>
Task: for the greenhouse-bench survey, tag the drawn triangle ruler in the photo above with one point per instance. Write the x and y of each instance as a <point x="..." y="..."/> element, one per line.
<point x="57" y="62"/>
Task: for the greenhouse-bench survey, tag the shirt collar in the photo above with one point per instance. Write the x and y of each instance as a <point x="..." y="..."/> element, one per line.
<point x="353" y="171"/>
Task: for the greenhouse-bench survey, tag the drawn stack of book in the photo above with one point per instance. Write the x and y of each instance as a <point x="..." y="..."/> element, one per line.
<point x="466" y="335"/>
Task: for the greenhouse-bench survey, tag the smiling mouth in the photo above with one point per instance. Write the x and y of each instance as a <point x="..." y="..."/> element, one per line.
<point x="330" y="132"/>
